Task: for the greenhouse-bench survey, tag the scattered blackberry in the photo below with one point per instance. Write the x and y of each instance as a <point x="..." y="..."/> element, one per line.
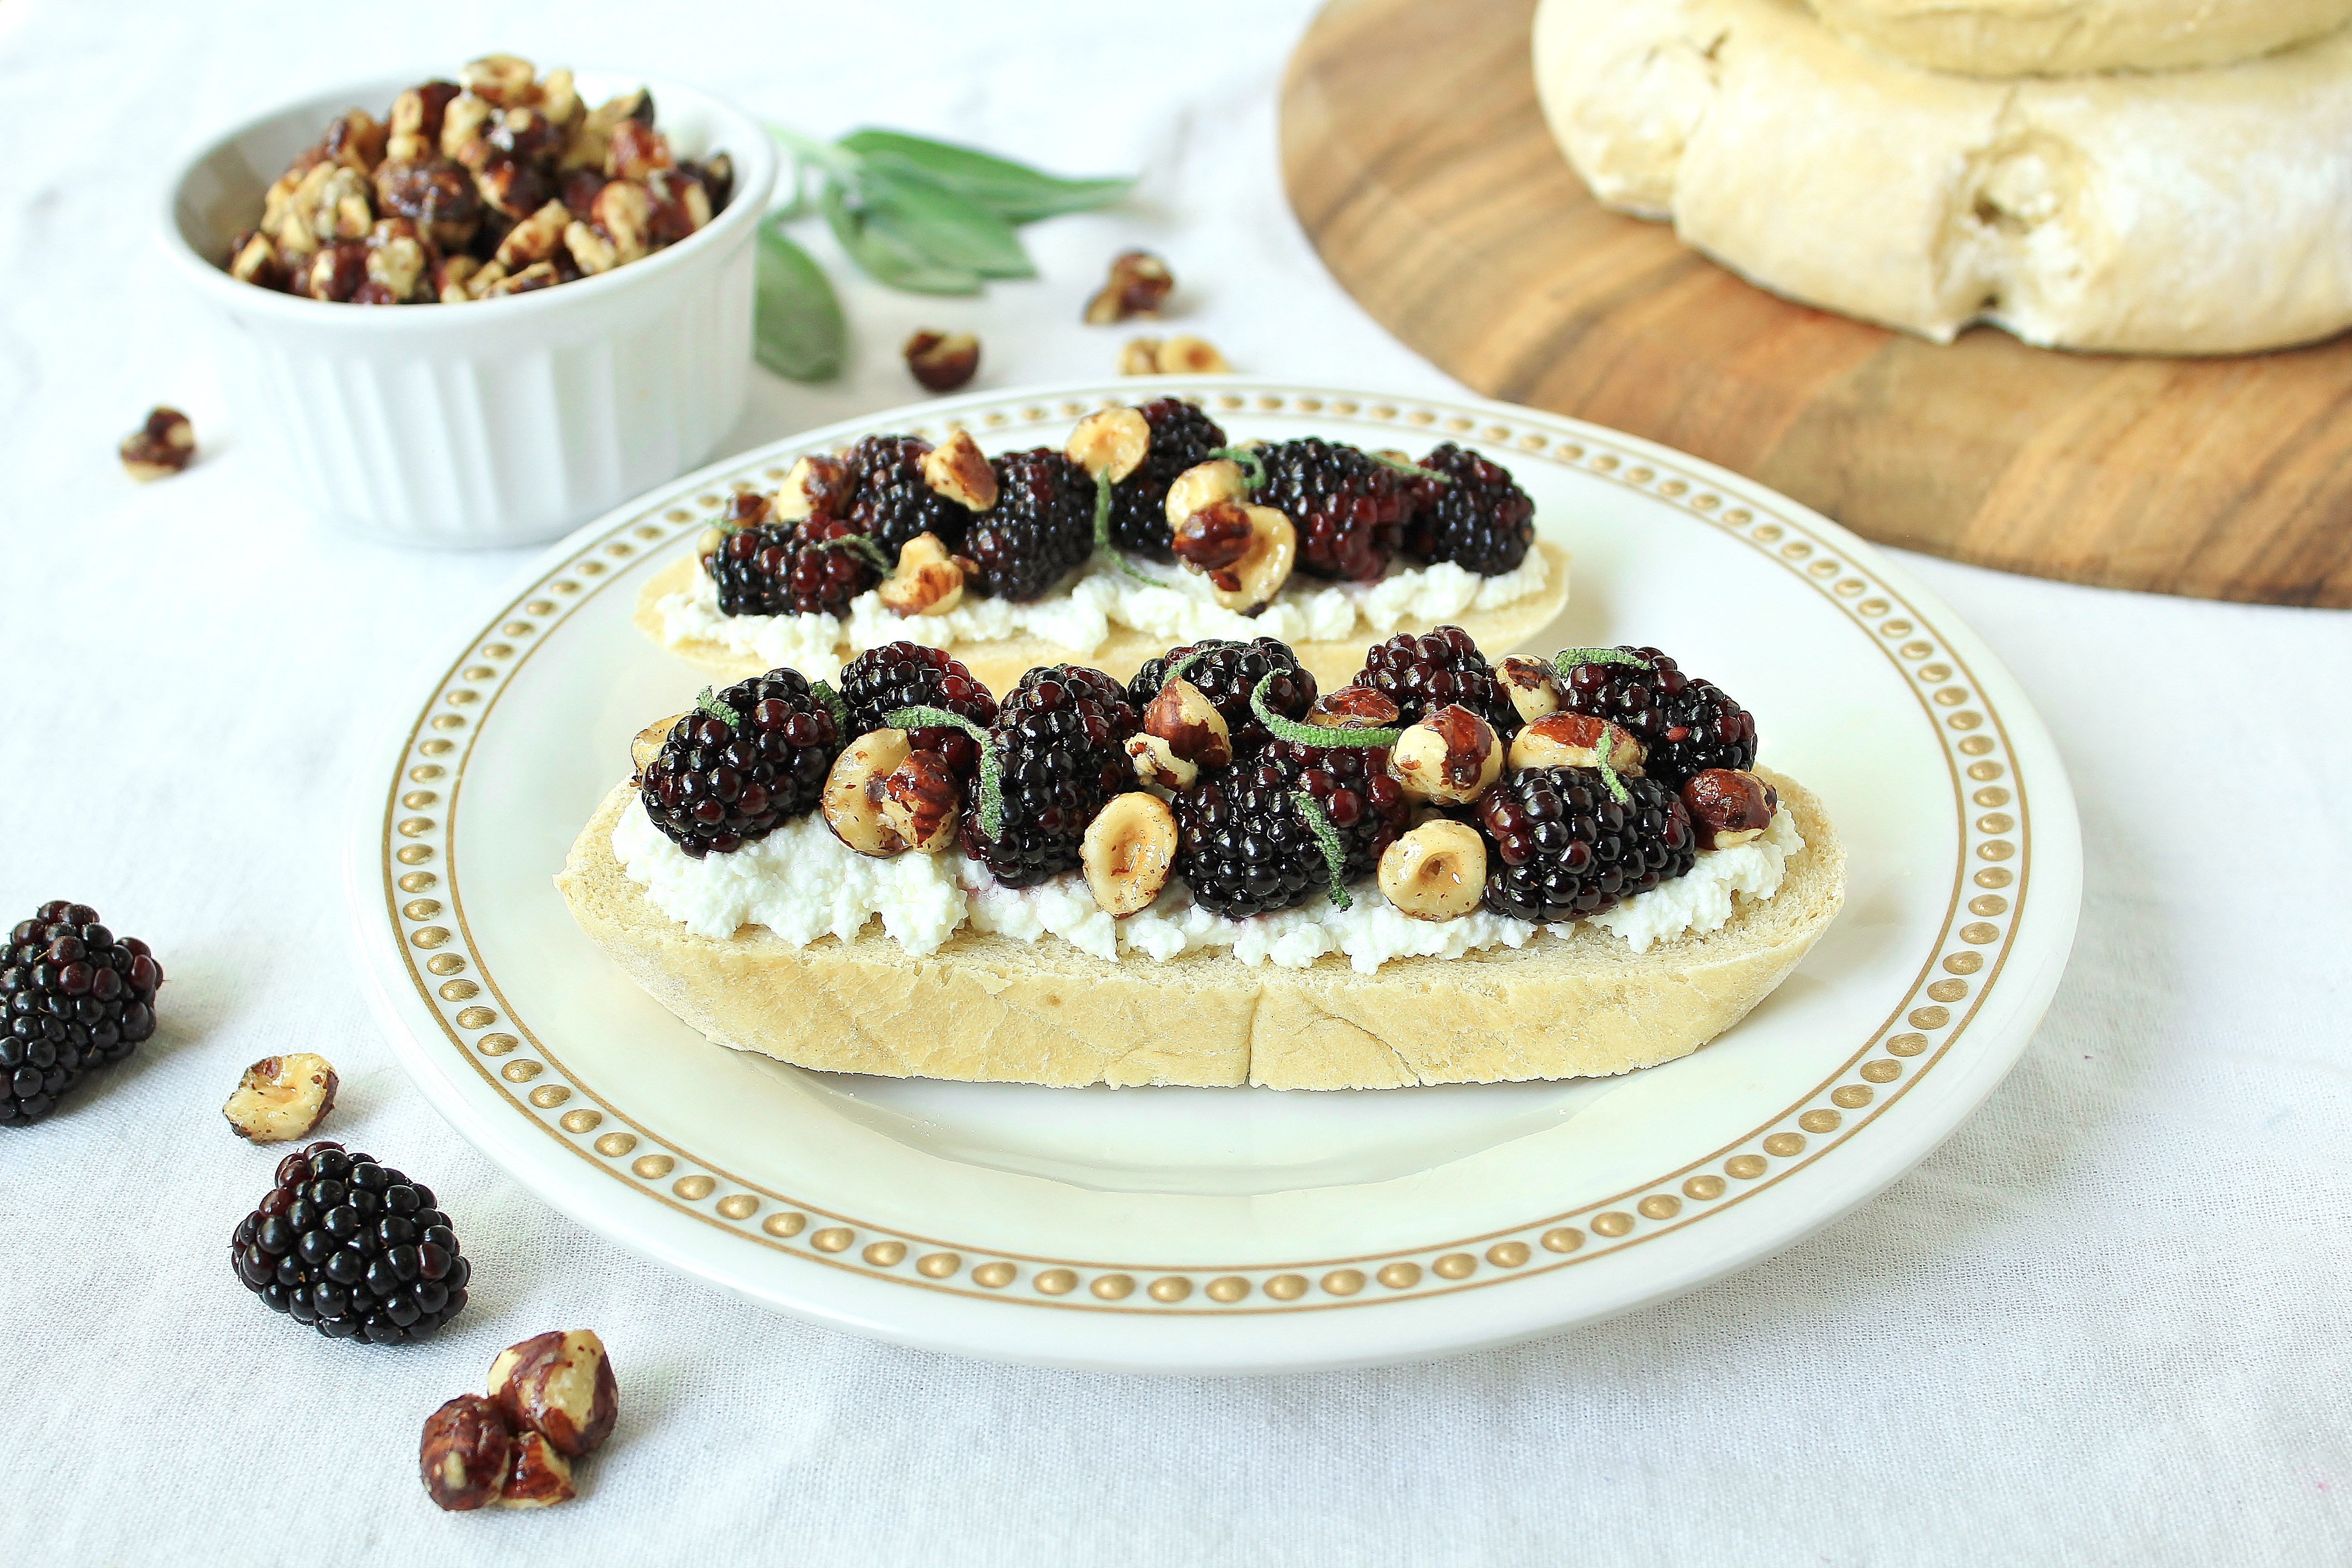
<point x="752" y="559"/>
<point x="1058" y="741"/>
<point x="1181" y="437"/>
<point x="1040" y="528"/>
<point x="893" y="502"/>
<point x="1684" y="724"/>
<point x="1228" y="672"/>
<point x="1565" y="847"/>
<point x="881" y="680"/>
<point x="1422" y="674"/>
<point x="719" y="781"/>
<point x="352" y="1248"/>
<point x="1483" y="522"/>
<point x="1245" y="846"/>
<point x="1351" y="509"/>
<point x="76" y="999"/>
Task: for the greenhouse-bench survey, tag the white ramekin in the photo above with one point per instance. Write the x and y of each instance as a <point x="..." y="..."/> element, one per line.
<point x="502" y="422"/>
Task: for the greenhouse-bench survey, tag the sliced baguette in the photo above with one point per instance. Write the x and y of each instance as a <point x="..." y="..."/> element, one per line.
<point x="1000" y="664"/>
<point x="992" y="1009"/>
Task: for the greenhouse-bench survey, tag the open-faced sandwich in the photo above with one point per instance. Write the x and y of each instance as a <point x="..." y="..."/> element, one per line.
<point x="1214" y="872"/>
<point x="1147" y="529"/>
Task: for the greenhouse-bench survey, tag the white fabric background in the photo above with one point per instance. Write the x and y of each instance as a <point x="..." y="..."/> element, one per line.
<point x="2105" y="1324"/>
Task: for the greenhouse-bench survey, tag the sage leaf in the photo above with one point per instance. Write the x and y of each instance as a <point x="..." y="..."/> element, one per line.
<point x="943" y="225"/>
<point x="886" y="254"/>
<point x="1013" y="191"/>
<point x="797" y="326"/>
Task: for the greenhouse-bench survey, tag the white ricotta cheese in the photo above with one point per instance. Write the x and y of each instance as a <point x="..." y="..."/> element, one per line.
<point x="1701" y="901"/>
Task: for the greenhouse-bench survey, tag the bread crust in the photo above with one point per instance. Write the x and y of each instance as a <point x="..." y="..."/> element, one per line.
<point x="998" y="664"/>
<point x="992" y="1009"/>
<point x="2072" y="37"/>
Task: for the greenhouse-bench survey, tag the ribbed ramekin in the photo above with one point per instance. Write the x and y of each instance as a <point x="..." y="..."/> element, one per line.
<point x="505" y="421"/>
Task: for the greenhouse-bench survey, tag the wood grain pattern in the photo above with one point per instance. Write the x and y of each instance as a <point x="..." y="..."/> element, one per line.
<point x="1417" y="159"/>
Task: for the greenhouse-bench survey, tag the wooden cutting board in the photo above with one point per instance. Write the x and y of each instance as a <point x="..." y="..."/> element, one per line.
<point x="1419" y="162"/>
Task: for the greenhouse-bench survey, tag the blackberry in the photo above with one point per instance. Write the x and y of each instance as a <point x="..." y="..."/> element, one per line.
<point x="891" y="501"/>
<point x="1422" y="674"/>
<point x="881" y="680"/>
<point x="1040" y="528"/>
<point x="1228" y="672"/>
<point x="751" y="560"/>
<point x="353" y="1248"/>
<point x="1247" y="846"/>
<point x="1686" y="725"/>
<point x="743" y="765"/>
<point x="1058" y="741"/>
<point x="1482" y="521"/>
<point x="1351" y="509"/>
<point x="831" y="561"/>
<point x="75" y="999"/>
<point x="1566" y="847"/>
<point x="1181" y="437"/>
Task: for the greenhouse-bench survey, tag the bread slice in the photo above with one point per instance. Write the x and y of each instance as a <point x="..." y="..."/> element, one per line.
<point x="993" y="1009"/>
<point x="1000" y="664"/>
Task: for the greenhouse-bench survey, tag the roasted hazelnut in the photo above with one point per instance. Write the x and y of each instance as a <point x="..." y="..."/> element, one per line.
<point x="680" y="206"/>
<point x="818" y="486"/>
<point x="1533" y="688"/>
<point x="1354" y="708"/>
<point x="375" y="292"/>
<point x="501" y="79"/>
<point x="160" y="447"/>
<point x="1140" y="356"/>
<point x="356" y="141"/>
<point x="1127" y="853"/>
<point x="636" y="150"/>
<point x="942" y="360"/>
<point x="436" y="195"/>
<point x="1183" y="355"/>
<point x="464" y="124"/>
<point x="1728" y="808"/>
<point x="536" y="238"/>
<point x="718" y="172"/>
<point x="559" y="98"/>
<point x="1201" y="486"/>
<point x="415" y="124"/>
<point x="624" y="212"/>
<point x="577" y="190"/>
<point x="852" y="801"/>
<point x="1182" y="715"/>
<point x="1574" y="741"/>
<point x="282" y="1096"/>
<point x="1157" y="764"/>
<point x="337" y="208"/>
<point x="918" y="801"/>
<point x="1451" y="757"/>
<point x="648" y="743"/>
<point x="1111" y="441"/>
<point x="927" y="582"/>
<point x="590" y="250"/>
<point x="958" y="469"/>
<point x="1251" y="582"/>
<point x="483" y="278"/>
<point x="337" y="271"/>
<point x="1436" y="871"/>
<point x="513" y="187"/>
<point x="1137" y="283"/>
<point x="538" y="1476"/>
<point x="254" y="259"/>
<point x="1213" y="537"/>
<point x="559" y="1384"/>
<point x="397" y="257"/>
<point x="523" y="133"/>
<point x="465" y="1453"/>
<point x="636" y="104"/>
<point x="538" y="275"/>
<point x="450" y="275"/>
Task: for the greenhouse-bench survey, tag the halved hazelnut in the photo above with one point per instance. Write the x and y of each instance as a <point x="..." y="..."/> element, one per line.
<point x="1354" y="708"/>
<point x="1728" y="808"/>
<point x="958" y="470"/>
<point x="942" y="360"/>
<point x="501" y="79"/>
<point x="1182" y="715"/>
<point x="1254" y="576"/>
<point x="647" y="744"/>
<point x="1574" y="741"/>
<point x="1156" y="763"/>
<point x="1129" y="851"/>
<point x="928" y="581"/>
<point x="1436" y="871"/>
<point x="1111" y="441"/>
<point x="818" y="486"/>
<point x="282" y="1096"/>
<point x="1214" y="537"/>
<point x="1204" y="485"/>
<point x="1533" y="688"/>
<point x="918" y="801"/>
<point x="1452" y="756"/>
<point x="853" y="809"/>
<point x="559" y="1384"/>
<point x="160" y="447"/>
<point x="465" y="1453"/>
<point x="1137" y="283"/>
<point x="1140" y="356"/>
<point x="1186" y="355"/>
<point x="538" y="1476"/>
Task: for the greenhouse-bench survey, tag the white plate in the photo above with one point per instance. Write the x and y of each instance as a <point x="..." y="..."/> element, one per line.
<point x="1236" y="1229"/>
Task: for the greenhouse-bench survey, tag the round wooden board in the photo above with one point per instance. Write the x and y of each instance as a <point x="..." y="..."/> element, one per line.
<point x="1419" y="162"/>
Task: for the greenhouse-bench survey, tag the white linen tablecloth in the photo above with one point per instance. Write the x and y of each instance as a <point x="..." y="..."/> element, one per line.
<point x="2105" y="1324"/>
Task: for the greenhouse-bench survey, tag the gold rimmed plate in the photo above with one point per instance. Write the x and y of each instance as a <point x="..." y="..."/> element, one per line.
<point x="1187" y="1231"/>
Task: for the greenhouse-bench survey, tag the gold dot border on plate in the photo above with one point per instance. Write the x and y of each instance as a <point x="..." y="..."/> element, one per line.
<point x="1978" y="930"/>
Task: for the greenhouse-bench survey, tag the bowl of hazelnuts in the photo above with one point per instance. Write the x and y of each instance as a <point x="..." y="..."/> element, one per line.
<point x="477" y="311"/>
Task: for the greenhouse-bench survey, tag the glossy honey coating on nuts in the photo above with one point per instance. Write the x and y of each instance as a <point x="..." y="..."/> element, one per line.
<point x="852" y="802"/>
<point x="465" y="1453"/>
<point x="1129" y="853"/>
<point x="1195" y="732"/>
<point x="560" y="1385"/>
<point x="1729" y="806"/>
<point x="1451" y="758"/>
<point x="1575" y="741"/>
<point x="1529" y="683"/>
<point x="928" y="580"/>
<point x="919" y="800"/>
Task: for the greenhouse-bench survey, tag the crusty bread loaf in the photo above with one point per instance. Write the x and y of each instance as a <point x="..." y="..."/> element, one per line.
<point x="992" y="1009"/>
<point x="998" y="664"/>
<point x="2071" y="38"/>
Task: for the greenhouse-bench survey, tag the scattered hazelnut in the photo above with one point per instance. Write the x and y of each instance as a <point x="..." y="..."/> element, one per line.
<point x="1137" y="284"/>
<point x="918" y="801"/>
<point x="1436" y="871"/>
<point x="1213" y="537"/>
<point x="282" y="1096"/>
<point x="1202" y="485"/>
<point x="942" y="360"/>
<point x="1140" y="356"/>
<point x="1574" y="741"/>
<point x="1128" y="850"/>
<point x="1533" y="688"/>
<point x="818" y="486"/>
<point x="160" y="447"/>
<point x="1728" y="808"/>
<point x="928" y="581"/>
<point x="1111" y="441"/>
<point x="647" y="744"/>
<point x="1452" y="757"/>
<point x="1157" y="764"/>
<point x="1182" y="715"/>
<point x="958" y="469"/>
<point x="852" y="801"/>
<point x="465" y="1453"/>
<point x="1250" y="583"/>
<point x="559" y="1384"/>
<point x="1185" y="356"/>
<point x="538" y="1476"/>
<point x="1354" y="708"/>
